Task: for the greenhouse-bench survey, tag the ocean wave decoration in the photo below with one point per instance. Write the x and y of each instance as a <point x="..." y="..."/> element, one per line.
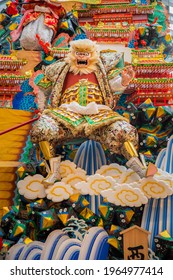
<point x="20" y="251"/>
<point x="158" y="213"/>
<point x="70" y="247"/>
<point x="15" y="251"/>
<point x="59" y="246"/>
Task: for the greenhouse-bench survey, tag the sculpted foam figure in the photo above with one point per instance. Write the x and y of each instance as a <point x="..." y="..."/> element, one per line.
<point x="81" y="102"/>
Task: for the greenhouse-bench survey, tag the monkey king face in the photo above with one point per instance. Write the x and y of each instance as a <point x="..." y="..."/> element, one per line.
<point x="83" y="56"/>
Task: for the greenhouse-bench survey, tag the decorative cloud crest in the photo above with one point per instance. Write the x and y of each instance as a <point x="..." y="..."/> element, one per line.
<point x="114" y="170"/>
<point x="59" y="191"/>
<point x="154" y="188"/>
<point x="125" y="195"/>
<point x="32" y="187"/>
<point x="95" y="184"/>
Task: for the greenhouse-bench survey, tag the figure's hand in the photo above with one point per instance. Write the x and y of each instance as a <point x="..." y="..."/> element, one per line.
<point x="127" y="75"/>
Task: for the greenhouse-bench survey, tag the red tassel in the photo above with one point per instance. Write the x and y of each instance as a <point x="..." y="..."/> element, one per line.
<point x="155" y="20"/>
<point x="45" y="46"/>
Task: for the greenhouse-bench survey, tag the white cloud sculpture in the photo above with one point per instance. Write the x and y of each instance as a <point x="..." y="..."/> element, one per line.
<point x="164" y="176"/>
<point x="59" y="191"/>
<point x="82" y="187"/>
<point x="125" y="195"/>
<point x="168" y="179"/>
<point x="114" y="170"/>
<point x="73" y="179"/>
<point x="154" y="188"/>
<point x="95" y="184"/>
<point x="68" y="167"/>
<point x="129" y="176"/>
<point x="32" y="187"/>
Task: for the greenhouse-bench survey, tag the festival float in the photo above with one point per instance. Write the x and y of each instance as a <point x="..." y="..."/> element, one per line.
<point x="86" y="138"/>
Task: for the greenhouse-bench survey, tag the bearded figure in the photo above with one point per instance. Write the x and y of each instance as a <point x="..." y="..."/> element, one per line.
<point x="81" y="102"/>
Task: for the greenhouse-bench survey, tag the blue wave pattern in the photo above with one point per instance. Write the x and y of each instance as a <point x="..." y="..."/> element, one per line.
<point x="158" y="213"/>
<point x="58" y="246"/>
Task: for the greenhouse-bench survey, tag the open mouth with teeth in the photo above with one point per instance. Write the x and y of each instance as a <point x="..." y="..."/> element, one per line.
<point x="82" y="62"/>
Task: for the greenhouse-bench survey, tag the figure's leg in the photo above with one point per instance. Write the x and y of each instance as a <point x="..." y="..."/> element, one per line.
<point x="122" y="138"/>
<point x="53" y="168"/>
<point x="48" y="133"/>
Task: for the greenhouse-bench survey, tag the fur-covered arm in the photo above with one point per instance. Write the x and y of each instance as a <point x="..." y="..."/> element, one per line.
<point x="114" y="65"/>
<point x="116" y="84"/>
<point x="43" y="98"/>
<point x="42" y="89"/>
<point x="53" y="71"/>
<point x="119" y="83"/>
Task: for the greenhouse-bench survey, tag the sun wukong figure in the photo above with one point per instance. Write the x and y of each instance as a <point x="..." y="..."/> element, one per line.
<point x="81" y="100"/>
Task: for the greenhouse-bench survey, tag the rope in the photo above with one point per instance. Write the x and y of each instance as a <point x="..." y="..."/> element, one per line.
<point x="19" y="125"/>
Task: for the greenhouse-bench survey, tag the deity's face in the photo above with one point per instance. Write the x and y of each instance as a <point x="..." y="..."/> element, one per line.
<point x="82" y="58"/>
